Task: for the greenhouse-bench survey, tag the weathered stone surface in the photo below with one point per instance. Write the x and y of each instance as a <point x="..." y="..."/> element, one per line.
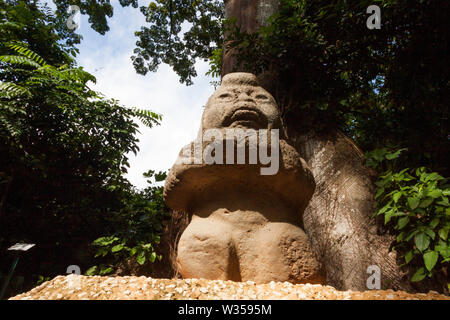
<point x="75" y="287"/>
<point x="245" y="225"/>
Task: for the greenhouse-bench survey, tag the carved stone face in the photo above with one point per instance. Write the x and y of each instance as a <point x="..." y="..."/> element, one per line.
<point x="240" y="103"/>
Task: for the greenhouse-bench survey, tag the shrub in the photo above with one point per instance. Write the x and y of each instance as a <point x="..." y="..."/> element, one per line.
<point x="415" y="205"/>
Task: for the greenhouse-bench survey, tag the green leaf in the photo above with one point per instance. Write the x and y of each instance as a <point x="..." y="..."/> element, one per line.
<point x="153" y="257"/>
<point x="425" y="203"/>
<point x="433" y="176"/>
<point x="413" y="202"/>
<point x="434" y="223"/>
<point x="419" y="171"/>
<point x="402" y="222"/>
<point x="388" y="216"/>
<point x="101" y="252"/>
<point x="430" y="258"/>
<point x="422" y="241"/>
<point x="408" y="256"/>
<point x="443" y="233"/>
<point x="11" y="90"/>
<point x="443" y="248"/>
<point x="24" y="51"/>
<point x="141" y="258"/>
<point x="103" y="241"/>
<point x="91" y="271"/>
<point x="435" y="193"/>
<point x="397" y="196"/>
<point x="411" y="234"/>
<point x="384" y="209"/>
<point x="399" y="214"/>
<point x="396" y="154"/>
<point x="419" y="275"/>
<point x="19" y="60"/>
<point x="107" y="270"/>
<point x="430" y="233"/>
<point x="379" y="192"/>
<point x="117" y="248"/>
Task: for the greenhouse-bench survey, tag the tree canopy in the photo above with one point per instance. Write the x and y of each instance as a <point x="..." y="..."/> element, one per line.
<point x="382" y="87"/>
<point x="65" y="153"/>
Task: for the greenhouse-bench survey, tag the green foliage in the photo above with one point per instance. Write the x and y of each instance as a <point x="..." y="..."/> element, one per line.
<point x="415" y="204"/>
<point x="64" y="151"/>
<point x="215" y="63"/>
<point x="33" y="23"/>
<point x="179" y="31"/>
<point x="165" y="42"/>
<point x="98" y="11"/>
<point x="147" y="117"/>
<point x="34" y="60"/>
<point x="135" y="231"/>
<point x="41" y="280"/>
<point x="379" y="86"/>
<point x="376" y="159"/>
<point x="38" y="75"/>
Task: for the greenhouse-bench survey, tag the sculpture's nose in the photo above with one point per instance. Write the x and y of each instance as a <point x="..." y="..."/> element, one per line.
<point x="244" y="96"/>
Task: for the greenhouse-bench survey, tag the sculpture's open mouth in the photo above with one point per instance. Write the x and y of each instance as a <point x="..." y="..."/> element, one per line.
<point x="248" y="117"/>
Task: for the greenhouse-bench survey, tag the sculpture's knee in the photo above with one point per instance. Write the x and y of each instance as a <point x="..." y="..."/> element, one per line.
<point x="281" y="252"/>
<point x="206" y="250"/>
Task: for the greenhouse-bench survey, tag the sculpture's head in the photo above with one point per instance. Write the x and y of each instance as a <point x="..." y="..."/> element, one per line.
<point x="240" y="102"/>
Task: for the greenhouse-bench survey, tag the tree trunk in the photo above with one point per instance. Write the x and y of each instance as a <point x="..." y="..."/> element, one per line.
<point x="338" y="218"/>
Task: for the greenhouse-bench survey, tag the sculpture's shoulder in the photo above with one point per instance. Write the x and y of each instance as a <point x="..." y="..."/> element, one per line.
<point x="191" y="177"/>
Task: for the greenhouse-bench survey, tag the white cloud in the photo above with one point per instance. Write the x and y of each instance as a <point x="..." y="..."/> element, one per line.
<point x="108" y="58"/>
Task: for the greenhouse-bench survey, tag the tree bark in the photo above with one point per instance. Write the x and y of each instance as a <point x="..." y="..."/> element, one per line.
<point x="338" y="218"/>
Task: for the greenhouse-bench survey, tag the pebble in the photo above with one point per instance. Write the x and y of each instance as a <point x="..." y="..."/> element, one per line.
<point x="108" y="288"/>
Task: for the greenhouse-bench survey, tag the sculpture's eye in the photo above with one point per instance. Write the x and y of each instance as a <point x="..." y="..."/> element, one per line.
<point x="225" y="96"/>
<point x="262" y="97"/>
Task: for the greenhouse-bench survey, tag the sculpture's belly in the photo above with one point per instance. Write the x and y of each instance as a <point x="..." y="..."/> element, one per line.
<point x="217" y="248"/>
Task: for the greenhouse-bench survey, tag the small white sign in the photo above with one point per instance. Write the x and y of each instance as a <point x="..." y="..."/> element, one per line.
<point x="21" y="247"/>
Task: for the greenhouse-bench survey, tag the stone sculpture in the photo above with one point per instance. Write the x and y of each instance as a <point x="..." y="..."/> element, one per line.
<point x="245" y="224"/>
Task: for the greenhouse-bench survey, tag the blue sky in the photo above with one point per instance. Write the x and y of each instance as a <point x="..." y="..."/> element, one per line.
<point x="108" y="59"/>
